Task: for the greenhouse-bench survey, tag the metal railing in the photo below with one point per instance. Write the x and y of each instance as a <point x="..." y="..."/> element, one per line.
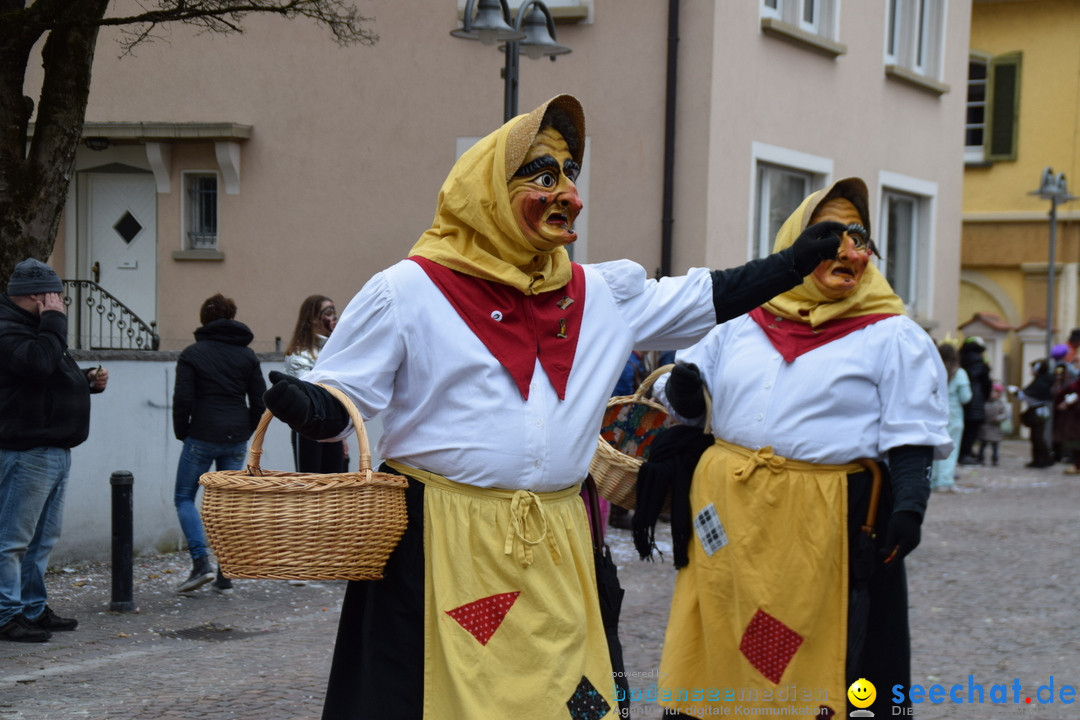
<point x="98" y="321"/>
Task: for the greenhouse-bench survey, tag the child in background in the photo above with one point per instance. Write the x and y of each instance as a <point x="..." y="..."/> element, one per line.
<point x="997" y="410"/>
<point x="943" y="477"/>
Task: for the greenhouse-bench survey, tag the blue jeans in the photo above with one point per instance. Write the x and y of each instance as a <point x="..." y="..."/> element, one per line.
<point x="32" y="484"/>
<point x="195" y="459"/>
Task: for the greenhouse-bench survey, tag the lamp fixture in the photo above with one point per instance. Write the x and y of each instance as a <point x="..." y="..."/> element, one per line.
<point x="492" y="23"/>
<point x="539" y="30"/>
<point x="532" y="33"/>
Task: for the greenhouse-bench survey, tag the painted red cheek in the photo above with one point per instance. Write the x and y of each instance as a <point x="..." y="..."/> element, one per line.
<point x="533" y="209"/>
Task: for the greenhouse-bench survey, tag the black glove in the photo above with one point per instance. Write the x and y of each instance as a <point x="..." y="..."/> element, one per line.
<point x="901" y="536"/>
<point x="685" y="390"/>
<point x="306" y="408"/>
<point x="820" y="241"/>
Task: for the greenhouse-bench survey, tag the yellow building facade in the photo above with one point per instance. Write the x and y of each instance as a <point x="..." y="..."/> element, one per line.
<point x="1023" y="116"/>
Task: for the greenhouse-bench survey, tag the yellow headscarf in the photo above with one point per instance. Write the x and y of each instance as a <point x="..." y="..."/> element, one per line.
<point x="805" y="303"/>
<point x="474" y="230"/>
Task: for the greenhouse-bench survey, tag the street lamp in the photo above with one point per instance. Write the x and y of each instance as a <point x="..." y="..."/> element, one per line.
<point x="1053" y="188"/>
<point x="532" y="32"/>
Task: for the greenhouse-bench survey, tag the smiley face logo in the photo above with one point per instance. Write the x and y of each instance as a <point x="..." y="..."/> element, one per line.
<point x="862" y="693"/>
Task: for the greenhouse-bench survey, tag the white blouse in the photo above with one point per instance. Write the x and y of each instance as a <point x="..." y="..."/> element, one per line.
<point x="401" y="351"/>
<point x="861" y="395"/>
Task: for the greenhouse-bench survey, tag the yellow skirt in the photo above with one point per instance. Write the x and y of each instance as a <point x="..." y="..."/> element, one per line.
<point x="759" y="616"/>
<point x="512" y="625"/>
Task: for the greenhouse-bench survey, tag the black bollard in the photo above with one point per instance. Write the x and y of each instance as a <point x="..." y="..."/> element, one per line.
<point x="122" y="542"/>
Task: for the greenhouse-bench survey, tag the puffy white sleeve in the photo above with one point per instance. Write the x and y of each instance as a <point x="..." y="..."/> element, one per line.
<point x="914" y="394"/>
<point x="364" y="352"/>
<point x="665" y="314"/>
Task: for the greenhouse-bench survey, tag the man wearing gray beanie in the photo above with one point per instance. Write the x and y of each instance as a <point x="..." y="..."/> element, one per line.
<point x="44" y="412"/>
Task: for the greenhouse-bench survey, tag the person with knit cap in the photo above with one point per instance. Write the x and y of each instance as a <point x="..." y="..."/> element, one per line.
<point x="489" y="357"/>
<point x="784" y="588"/>
<point x="44" y="412"/>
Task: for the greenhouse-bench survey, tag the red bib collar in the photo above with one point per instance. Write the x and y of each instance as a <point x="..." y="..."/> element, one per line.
<point x="518" y="329"/>
<point x="792" y="338"/>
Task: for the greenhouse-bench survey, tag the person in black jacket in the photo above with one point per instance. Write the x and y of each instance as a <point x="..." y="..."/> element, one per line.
<point x="217" y="403"/>
<point x="971" y="359"/>
<point x="44" y="412"/>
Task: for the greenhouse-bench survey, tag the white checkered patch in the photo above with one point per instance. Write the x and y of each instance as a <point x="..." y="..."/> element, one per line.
<point x="709" y="530"/>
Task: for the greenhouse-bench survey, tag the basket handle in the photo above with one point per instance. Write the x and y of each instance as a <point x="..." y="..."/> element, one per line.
<point x="256" y="449"/>
<point x="652" y="377"/>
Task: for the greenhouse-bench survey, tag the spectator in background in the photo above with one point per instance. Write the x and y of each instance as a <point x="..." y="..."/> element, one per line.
<point x="217" y="404"/>
<point x="1067" y="421"/>
<point x="943" y="477"/>
<point x="1064" y="373"/>
<point x="1073" y="344"/>
<point x="46" y="402"/>
<point x="317" y="319"/>
<point x="990" y="434"/>
<point x="1038" y="395"/>
<point x="978" y="372"/>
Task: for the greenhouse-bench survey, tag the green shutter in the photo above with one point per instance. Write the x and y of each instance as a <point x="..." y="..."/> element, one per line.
<point x="1004" y="104"/>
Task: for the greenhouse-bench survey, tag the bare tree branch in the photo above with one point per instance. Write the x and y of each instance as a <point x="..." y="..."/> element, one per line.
<point x="346" y="25"/>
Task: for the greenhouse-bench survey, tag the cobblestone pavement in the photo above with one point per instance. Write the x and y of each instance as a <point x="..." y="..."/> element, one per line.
<point x="993" y="596"/>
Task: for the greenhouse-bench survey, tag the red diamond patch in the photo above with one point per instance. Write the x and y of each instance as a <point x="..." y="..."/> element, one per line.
<point x="484" y="616"/>
<point x="769" y="645"/>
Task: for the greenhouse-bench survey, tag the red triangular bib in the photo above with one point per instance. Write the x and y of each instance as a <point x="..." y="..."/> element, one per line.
<point x="792" y="338"/>
<point x="518" y="329"/>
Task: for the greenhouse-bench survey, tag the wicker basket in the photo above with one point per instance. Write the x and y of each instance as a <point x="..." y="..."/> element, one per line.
<point x="271" y="525"/>
<point x="618" y="457"/>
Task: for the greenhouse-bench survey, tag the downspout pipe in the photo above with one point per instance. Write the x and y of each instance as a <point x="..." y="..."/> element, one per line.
<point x="668" y="220"/>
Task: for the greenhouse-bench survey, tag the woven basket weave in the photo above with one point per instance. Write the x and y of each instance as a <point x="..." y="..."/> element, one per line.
<point x="617" y="460"/>
<point x="271" y="525"/>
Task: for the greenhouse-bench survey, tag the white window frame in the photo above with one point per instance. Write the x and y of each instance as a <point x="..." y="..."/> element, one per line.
<point x="187" y="177"/>
<point x="919" y="295"/>
<point x="977" y="153"/>
<point x="824" y="20"/>
<point x="813" y="8"/>
<point x="820" y="170"/>
<point x="915" y="35"/>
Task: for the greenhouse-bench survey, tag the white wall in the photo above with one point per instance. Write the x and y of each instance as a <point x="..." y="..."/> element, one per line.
<point x="131" y="429"/>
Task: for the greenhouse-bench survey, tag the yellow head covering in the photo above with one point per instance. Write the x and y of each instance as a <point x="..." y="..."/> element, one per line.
<point x="805" y="302"/>
<point x="475" y="231"/>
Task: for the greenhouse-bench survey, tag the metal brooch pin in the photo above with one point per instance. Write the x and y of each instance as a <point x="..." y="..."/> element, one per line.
<point x="566" y="302"/>
<point x="562" y="329"/>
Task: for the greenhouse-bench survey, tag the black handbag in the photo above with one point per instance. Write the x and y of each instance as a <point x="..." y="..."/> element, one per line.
<point x="611" y="595"/>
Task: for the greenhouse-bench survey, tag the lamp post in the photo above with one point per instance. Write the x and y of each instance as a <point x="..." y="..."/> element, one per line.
<point x="532" y="32"/>
<point x="1053" y="188"/>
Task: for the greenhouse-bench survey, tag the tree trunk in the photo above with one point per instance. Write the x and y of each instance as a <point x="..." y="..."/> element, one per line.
<point x="34" y="184"/>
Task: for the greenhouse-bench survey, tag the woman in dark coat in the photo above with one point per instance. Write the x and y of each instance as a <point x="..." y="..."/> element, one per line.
<point x="217" y="403"/>
<point x="971" y="359"/>
<point x="1039" y="396"/>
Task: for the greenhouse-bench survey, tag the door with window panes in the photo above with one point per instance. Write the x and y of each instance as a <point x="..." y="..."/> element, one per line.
<point x="121" y="238"/>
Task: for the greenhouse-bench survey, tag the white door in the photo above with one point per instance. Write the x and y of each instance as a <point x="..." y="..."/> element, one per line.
<point x="122" y="239"/>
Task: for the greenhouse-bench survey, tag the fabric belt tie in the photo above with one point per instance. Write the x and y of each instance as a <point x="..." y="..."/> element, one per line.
<point x="763" y="457"/>
<point x="522" y="505"/>
<point x="750" y="460"/>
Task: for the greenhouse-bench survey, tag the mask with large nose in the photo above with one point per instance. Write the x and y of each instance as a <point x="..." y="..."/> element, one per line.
<point x="839" y="278"/>
<point x="543" y="196"/>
